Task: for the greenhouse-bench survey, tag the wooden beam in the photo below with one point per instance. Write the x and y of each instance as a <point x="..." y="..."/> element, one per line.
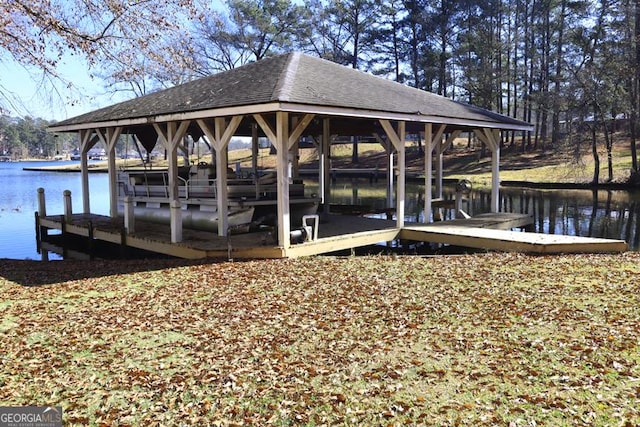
<point x="436" y="144"/>
<point x="398" y="141"/>
<point x="296" y="132"/>
<point x="282" y="164"/>
<point x="402" y="173"/>
<point x="86" y="143"/>
<point x="428" y="171"/>
<point x="219" y="136"/>
<point x="170" y="135"/>
<point x="325" y="163"/>
<point x="391" y="134"/>
<point x="436" y="138"/>
<point x="266" y="128"/>
<point x="449" y="141"/>
<point x="342" y="242"/>
<point x="109" y="137"/>
<point x="491" y="137"/>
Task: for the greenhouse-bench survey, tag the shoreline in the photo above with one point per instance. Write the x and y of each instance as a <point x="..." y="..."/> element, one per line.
<point x="411" y="177"/>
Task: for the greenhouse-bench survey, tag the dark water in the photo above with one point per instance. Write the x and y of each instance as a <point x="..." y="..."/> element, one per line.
<point x="608" y="214"/>
<point x="19" y="202"/>
<point x="611" y="214"/>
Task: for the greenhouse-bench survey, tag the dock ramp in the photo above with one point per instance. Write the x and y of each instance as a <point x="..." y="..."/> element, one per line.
<point x="487" y="232"/>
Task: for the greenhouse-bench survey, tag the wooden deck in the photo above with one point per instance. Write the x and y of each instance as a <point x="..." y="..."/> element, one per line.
<point x="492" y="232"/>
<point x="336" y="232"/>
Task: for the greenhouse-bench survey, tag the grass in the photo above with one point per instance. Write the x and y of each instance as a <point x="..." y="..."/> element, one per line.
<point x="485" y="339"/>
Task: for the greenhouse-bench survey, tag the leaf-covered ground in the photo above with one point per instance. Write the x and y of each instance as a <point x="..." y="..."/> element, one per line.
<point x="488" y="339"/>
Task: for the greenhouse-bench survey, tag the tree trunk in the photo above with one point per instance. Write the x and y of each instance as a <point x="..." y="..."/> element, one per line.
<point x="555" y="126"/>
<point x="596" y="156"/>
<point x="635" y="101"/>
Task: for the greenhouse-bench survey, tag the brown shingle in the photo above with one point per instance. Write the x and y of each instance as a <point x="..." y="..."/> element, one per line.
<point x="293" y="78"/>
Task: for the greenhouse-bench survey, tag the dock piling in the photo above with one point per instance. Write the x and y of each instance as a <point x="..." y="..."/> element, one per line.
<point x="38" y="235"/>
<point x="42" y="207"/>
<point x="129" y="217"/>
<point x="68" y="212"/>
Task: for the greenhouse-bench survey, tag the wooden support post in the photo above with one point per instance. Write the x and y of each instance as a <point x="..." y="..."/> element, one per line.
<point x="428" y="171"/>
<point x="398" y="141"/>
<point x="124" y="251"/>
<point x="220" y="135"/>
<point x="129" y="216"/>
<point x="283" y="179"/>
<point x="170" y="137"/>
<point x="434" y="143"/>
<point x="38" y="232"/>
<point x="325" y="170"/>
<point x="66" y="196"/>
<point x="282" y="140"/>
<point x="42" y="207"/>
<point x="109" y="138"/>
<point x="63" y="236"/>
<point x="254" y="151"/>
<point x="222" y="161"/>
<point x="90" y="240"/>
<point x="41" y="232"/>
<point x="86" y="143"/>
<point x="402" y="175"/>
<point x="176" y="221"/>
<point x="390" y="175"/>
<point x="491" y="138"/>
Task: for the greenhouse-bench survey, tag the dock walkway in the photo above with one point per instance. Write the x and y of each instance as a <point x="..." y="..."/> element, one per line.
<point x="336" y="232"/>
<point x="492" y="232"/>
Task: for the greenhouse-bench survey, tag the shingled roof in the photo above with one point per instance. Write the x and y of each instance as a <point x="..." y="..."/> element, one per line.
<point x="310" y="84"/>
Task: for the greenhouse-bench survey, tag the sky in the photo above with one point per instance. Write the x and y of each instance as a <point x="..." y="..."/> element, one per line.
<point x="29" y="96"/>
<point x="22" y="92"/>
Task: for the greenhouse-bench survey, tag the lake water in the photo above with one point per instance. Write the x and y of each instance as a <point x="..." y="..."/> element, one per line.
<point x="608" y="214"/>
<point x="611" y="214"/>
<point x="19" y="202"/>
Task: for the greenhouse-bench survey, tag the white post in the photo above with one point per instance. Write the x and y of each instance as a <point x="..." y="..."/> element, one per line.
<point x="495" y="177"/>
<point x="129" y="217"/>
<point x="282" y="163"/>
<point x="325" y="172"/>
<point x="400" y="192"/>
<point x="42" y="207"/>
<point x="254" y="151"/>
<point x="66" y="195"/>
<point x="222" y="163"/>
<point x="390" y="175"/>
<point x="428" y="168"/>
<point x="176" y="221"/>
<point x="439" y="168"/>
<point x="85" y="145"/>
<point x="491" y="137"/>
<point x="112" y="172"/>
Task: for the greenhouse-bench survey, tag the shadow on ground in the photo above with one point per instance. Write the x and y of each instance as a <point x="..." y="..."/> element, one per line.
<point x="38" y="273"/>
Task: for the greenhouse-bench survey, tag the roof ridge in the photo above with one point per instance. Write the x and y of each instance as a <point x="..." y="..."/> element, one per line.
<point x="284" y="85"/>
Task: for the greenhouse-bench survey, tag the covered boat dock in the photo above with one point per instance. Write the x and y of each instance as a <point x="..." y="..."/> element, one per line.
<point x="282" y="98"/>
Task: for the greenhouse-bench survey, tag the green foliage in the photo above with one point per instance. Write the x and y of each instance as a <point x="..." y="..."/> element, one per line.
<point x="28" y="137"/>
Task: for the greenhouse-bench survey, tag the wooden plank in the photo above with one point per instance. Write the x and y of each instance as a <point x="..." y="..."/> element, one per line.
<point x="501" y="221"/>
<point x="511" y="241"/>
<point x="342" y="242"/>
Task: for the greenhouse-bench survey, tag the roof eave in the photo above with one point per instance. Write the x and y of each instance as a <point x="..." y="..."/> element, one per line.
<point x="173" y="117"/>
<point x="294" y="108"/>
<point x="408" y="117"/>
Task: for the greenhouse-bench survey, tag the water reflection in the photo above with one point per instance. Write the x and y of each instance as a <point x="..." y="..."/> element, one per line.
<point x="597" y="213"/>
<point x="611" y="214"/>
